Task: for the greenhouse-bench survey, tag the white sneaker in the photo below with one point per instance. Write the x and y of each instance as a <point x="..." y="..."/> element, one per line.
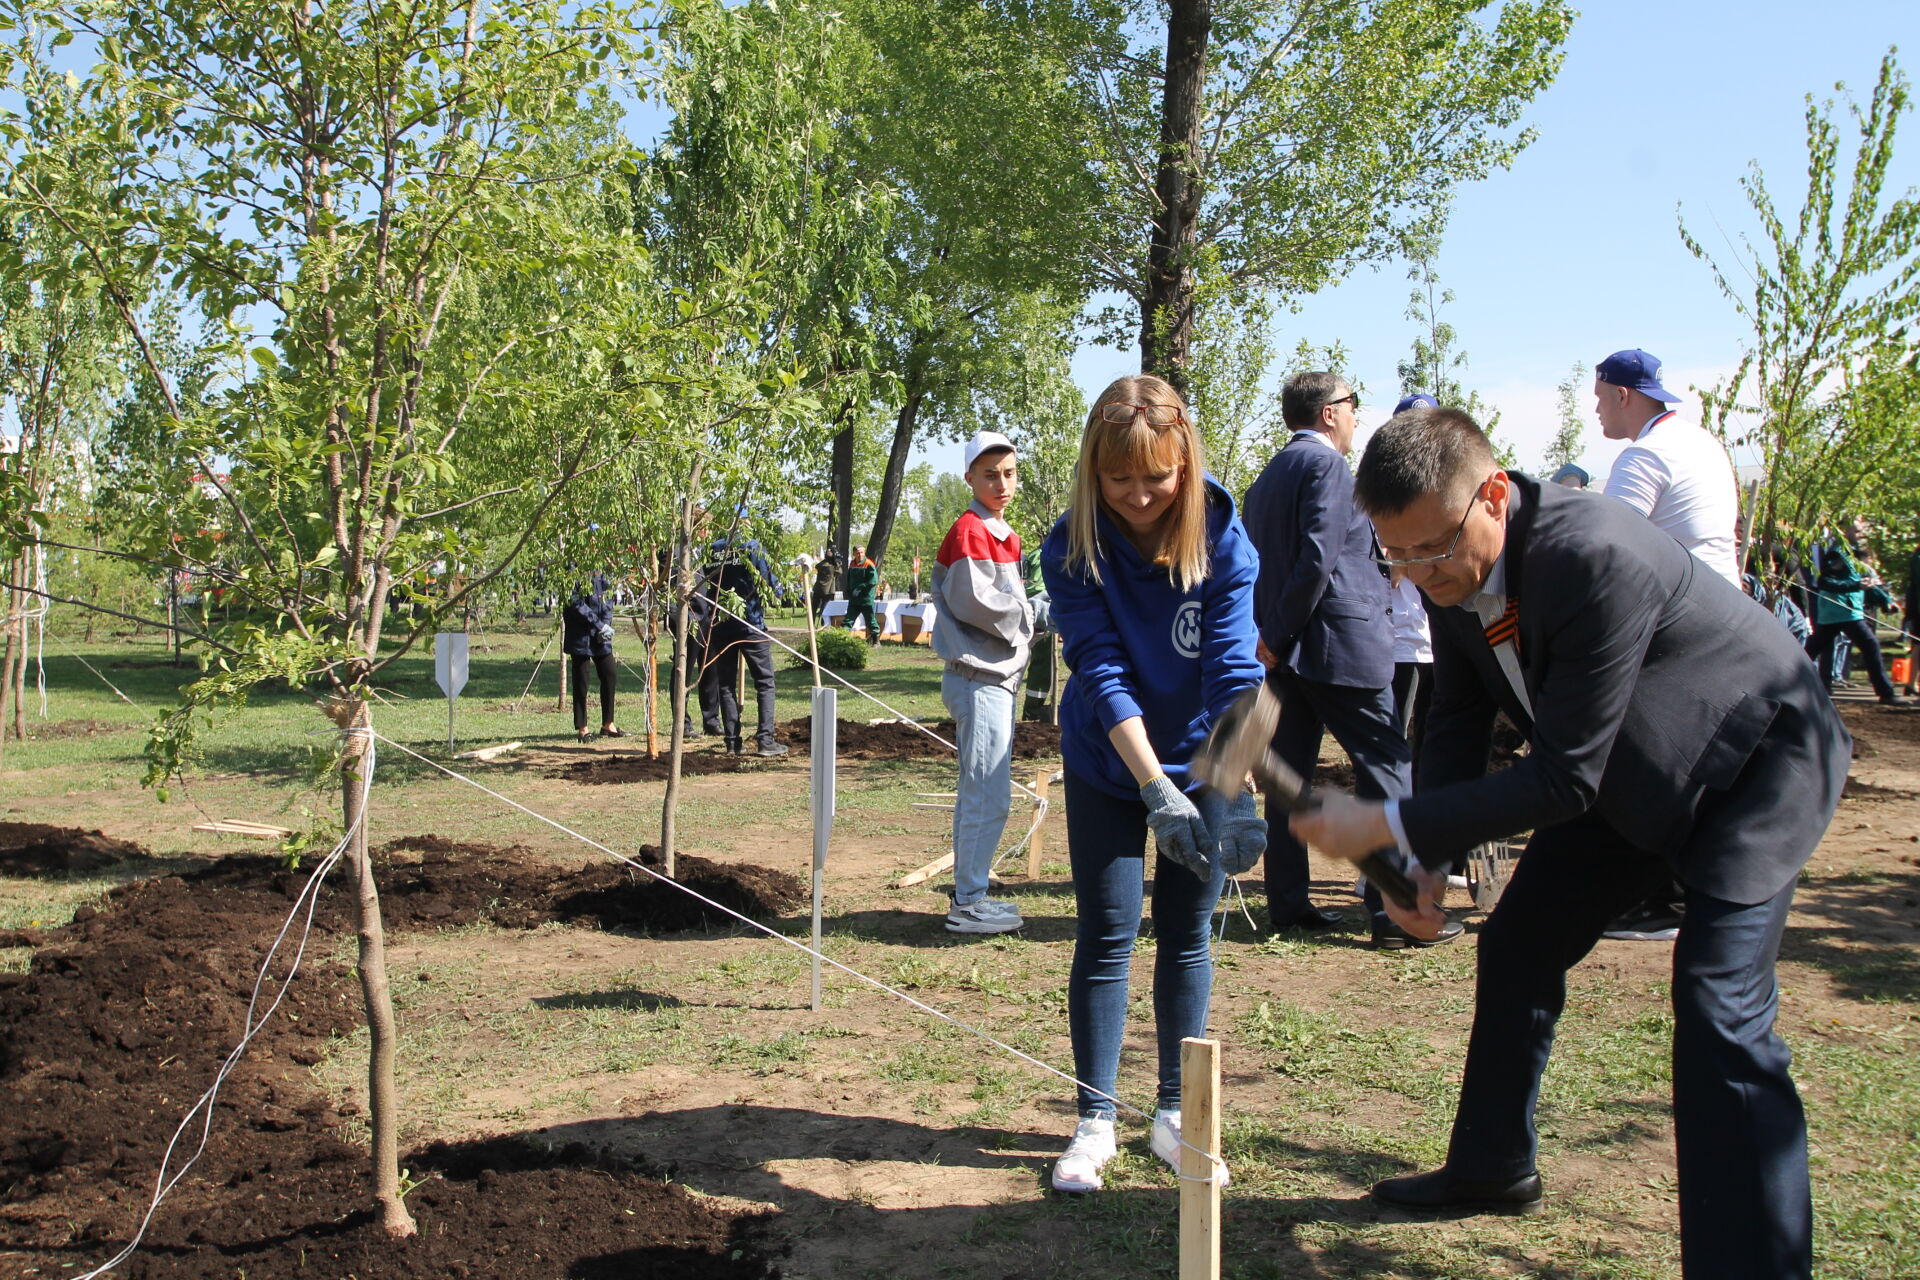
<point x="1078" y="1168"/>
<point x="1166" y="1143"/>
<point x="1458" y="882"/>
<point x="984" y="916"/>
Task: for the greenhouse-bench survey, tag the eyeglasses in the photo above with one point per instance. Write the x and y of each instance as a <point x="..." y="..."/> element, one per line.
<point x="1157" y="415"/>
<point x="1352" y="397"/>
<point x="1415" y="562"/>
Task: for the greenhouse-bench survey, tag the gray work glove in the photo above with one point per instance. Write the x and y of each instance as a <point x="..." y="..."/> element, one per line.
<point x="1237" y="825"/>
<point x="1178" y="829"/>
<point x="1042" y="612"/>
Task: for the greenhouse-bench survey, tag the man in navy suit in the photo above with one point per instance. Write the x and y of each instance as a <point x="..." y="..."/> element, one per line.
<point x="1675" y="728"/>
<point x="1325" y="637"/>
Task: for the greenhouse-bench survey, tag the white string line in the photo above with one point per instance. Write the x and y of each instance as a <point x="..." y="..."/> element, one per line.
<point x="1817" y="594"/>
<point x="791" y="942"/>
<point x="1040" y="803"/>
<point x="75" y="655"/>
<point x="310" y="898"/>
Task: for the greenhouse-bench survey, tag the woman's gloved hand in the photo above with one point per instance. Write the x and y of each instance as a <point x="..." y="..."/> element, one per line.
<point x="1238" y="827"/>
<point x="1178" y="829"/>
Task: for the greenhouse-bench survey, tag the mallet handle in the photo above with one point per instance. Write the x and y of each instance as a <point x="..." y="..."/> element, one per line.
<point x="1282" y="783"/>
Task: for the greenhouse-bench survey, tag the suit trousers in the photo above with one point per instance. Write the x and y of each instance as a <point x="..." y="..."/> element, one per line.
<point x="1364" y="723"/>
<point x="729" y="648"/>
<point x="1739" y="1130"/>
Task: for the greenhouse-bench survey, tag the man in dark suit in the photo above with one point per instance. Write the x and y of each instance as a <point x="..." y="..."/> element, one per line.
<point x="1325" y="637"/>
<point x="1675" y="727"/>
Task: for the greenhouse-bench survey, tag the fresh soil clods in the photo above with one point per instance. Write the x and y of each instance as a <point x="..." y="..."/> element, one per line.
<point x="35" y="849"/>
<point x="623" y="766"/>
<point x="124" y="1014"/>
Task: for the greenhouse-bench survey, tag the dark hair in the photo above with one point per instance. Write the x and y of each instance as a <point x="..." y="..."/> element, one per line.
<point x="1418" y="452"/>
<point x="1306" y="394"/>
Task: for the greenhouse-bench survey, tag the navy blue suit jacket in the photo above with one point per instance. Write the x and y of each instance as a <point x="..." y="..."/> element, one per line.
<point x="1665" y="701"/>
<point x="1320" y="602"/>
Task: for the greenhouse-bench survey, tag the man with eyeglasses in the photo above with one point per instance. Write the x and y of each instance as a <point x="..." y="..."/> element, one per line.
<point x="1674" y="727"/>
<point x="1325" y="636"/>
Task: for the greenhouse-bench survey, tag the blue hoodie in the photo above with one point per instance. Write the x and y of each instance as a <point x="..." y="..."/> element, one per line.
<point x="1139" y="646"/>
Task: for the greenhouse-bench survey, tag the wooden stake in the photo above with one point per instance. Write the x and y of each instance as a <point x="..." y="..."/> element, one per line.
<point x="1199" y="1179"/>
<point x="942" y="863"/>
<point x="1041" y="781"/>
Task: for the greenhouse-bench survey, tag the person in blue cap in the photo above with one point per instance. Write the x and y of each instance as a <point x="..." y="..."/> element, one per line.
<point x="1418" y="400"/>
<point x="1571" y="475"/>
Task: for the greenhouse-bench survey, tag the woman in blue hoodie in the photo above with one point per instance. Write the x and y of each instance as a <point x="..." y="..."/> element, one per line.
<point x="1151" y="578"/>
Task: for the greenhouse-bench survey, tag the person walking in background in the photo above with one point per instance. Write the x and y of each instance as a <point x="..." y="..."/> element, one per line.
<point x="1839" y="615"/>
<point x="1325" y="637"/>
<point x="587" y="640"/>
<point x="1679" y="477"/>
<point x="1910" y="622"/>
<point x="1151" y="581"/>
<point x="863" y="578"/>
<point x="984" y="633"/>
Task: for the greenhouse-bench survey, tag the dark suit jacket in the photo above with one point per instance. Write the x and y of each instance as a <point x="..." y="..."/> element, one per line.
<point x="1320" y="602"/>
<point x="1667" y="702"/>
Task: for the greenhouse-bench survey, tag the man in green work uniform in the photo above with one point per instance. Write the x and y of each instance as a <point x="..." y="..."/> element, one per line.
<point x="862" y="577"/>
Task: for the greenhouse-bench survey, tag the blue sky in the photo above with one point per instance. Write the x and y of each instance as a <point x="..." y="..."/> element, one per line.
<point x="1574" y="253"/>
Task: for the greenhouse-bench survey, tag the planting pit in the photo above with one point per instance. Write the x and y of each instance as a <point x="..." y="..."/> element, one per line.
<point x="35" y="849"/>
<point x="124" y="1014"/>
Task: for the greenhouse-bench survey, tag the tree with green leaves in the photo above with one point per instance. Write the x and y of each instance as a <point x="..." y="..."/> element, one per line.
<point x="1568" y="443"/>
<point x="1274" y="145"/>
<point x="1436" y="362"/>
<point x="1831" y="292"/>
<point x="404" y="229"/>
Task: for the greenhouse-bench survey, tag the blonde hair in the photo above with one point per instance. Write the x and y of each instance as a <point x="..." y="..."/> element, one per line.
<point x="1136" y="445"/>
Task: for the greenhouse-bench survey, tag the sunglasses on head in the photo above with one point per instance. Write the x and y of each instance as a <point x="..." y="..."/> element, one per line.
<point x="1157" y="415"/>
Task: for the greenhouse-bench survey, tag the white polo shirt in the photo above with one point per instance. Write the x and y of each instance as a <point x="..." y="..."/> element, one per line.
<point x="1678" y="476"/>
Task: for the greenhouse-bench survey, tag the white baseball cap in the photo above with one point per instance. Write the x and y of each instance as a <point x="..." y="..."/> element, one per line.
<point x="984" y="442"/>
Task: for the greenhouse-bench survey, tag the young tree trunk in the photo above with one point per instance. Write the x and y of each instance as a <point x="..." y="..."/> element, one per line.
<point x="13" y="607"/>
<point x="843" y="492"/>
<point x="677" y="736"/>
<point x="382" y="1107"/>
<point x="1166" y="313"/>
<point x="895" y="476"/>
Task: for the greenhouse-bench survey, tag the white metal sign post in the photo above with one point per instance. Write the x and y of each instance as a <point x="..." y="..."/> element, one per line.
<point x="825" y="711"/>
<point x="450" y="669"/>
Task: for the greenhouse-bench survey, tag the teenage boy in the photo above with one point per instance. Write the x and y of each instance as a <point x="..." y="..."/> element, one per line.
<point x="983" y="629"/>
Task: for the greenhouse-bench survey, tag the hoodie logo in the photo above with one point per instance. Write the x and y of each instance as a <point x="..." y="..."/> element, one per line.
<point x="1186" y="629"/>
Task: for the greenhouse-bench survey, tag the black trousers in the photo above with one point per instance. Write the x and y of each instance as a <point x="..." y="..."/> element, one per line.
<point x="731" y="647"/>
<point x="1741" y="1136"/>
<point x="1412" y="695"/>
<point x="1360" y="720"/>
<point x="603" y="664"/>
<point x="1820" y="648"/>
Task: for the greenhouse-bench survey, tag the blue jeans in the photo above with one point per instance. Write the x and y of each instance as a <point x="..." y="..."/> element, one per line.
<point x="983" y="730"/>
<point x="1106" y="841"/>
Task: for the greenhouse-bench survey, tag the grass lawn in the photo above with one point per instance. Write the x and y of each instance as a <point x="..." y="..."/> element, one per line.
<point x="897" y="1145"/>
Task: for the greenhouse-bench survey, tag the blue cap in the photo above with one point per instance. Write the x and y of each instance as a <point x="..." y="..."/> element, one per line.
<point x="1572" y="471"/>
<point x="1635" y="370"/>
<point x="1418" y="400"/>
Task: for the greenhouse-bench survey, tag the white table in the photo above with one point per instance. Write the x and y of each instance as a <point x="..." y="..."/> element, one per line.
<point x="893" y="613"/>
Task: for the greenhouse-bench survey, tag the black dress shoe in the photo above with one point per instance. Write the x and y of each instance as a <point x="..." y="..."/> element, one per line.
<point x="1312" y="919"/>
<point x="1388" y="936"/>
<point x="1441" y="1191"/>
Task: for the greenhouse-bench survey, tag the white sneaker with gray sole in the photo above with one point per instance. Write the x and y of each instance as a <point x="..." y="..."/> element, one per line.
<point x="984" y="916"/>
<point x="1078" y="1168"/>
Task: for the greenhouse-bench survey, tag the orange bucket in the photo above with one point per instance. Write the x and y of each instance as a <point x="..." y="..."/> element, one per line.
<point x="1902" y="670"/>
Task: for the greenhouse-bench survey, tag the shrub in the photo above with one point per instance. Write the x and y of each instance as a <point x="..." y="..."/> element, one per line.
<point x="840" y="650"/>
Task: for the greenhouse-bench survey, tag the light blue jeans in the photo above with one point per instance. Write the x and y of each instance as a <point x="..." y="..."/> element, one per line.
<point x="983" y="730"/>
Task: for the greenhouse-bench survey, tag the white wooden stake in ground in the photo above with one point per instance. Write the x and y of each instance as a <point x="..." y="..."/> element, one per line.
<point x="825" y="722"/>
<point x="450" y="669"/>
<point x="1199" y="1177"/>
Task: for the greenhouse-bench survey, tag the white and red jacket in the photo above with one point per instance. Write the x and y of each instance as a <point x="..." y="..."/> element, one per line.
<point x="985" y="622"/>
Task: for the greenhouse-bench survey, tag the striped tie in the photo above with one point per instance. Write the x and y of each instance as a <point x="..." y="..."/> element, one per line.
<point x="1506" y="627"/>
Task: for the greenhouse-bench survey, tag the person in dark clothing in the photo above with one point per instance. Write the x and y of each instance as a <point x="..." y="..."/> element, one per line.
<point x="863" y="578"/>
<point x="735" y="577"/>
<point x="588" y="643"/>
<point x="1839" y="612"/>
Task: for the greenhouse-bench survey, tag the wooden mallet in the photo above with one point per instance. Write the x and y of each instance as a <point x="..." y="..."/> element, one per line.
<point x="1241" y="744"/>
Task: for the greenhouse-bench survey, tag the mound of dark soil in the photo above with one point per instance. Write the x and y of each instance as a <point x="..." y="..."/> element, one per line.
<point x="35" y="849"/>
<point x="622" y="766"/>
<point x="122" y="1019"/>
<point x="78" y="729"/>
<point x="635" y="900"/>
<point x="896" y="741"/>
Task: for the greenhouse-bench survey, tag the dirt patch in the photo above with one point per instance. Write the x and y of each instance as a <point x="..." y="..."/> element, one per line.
<point x="35" y="849"/>
<point x="77" y="729"/>
<point x="893" y="740"/>
<point x="621" y="766"/>
<point x="117" y="1026"/>
<point x="632" y="900"/>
